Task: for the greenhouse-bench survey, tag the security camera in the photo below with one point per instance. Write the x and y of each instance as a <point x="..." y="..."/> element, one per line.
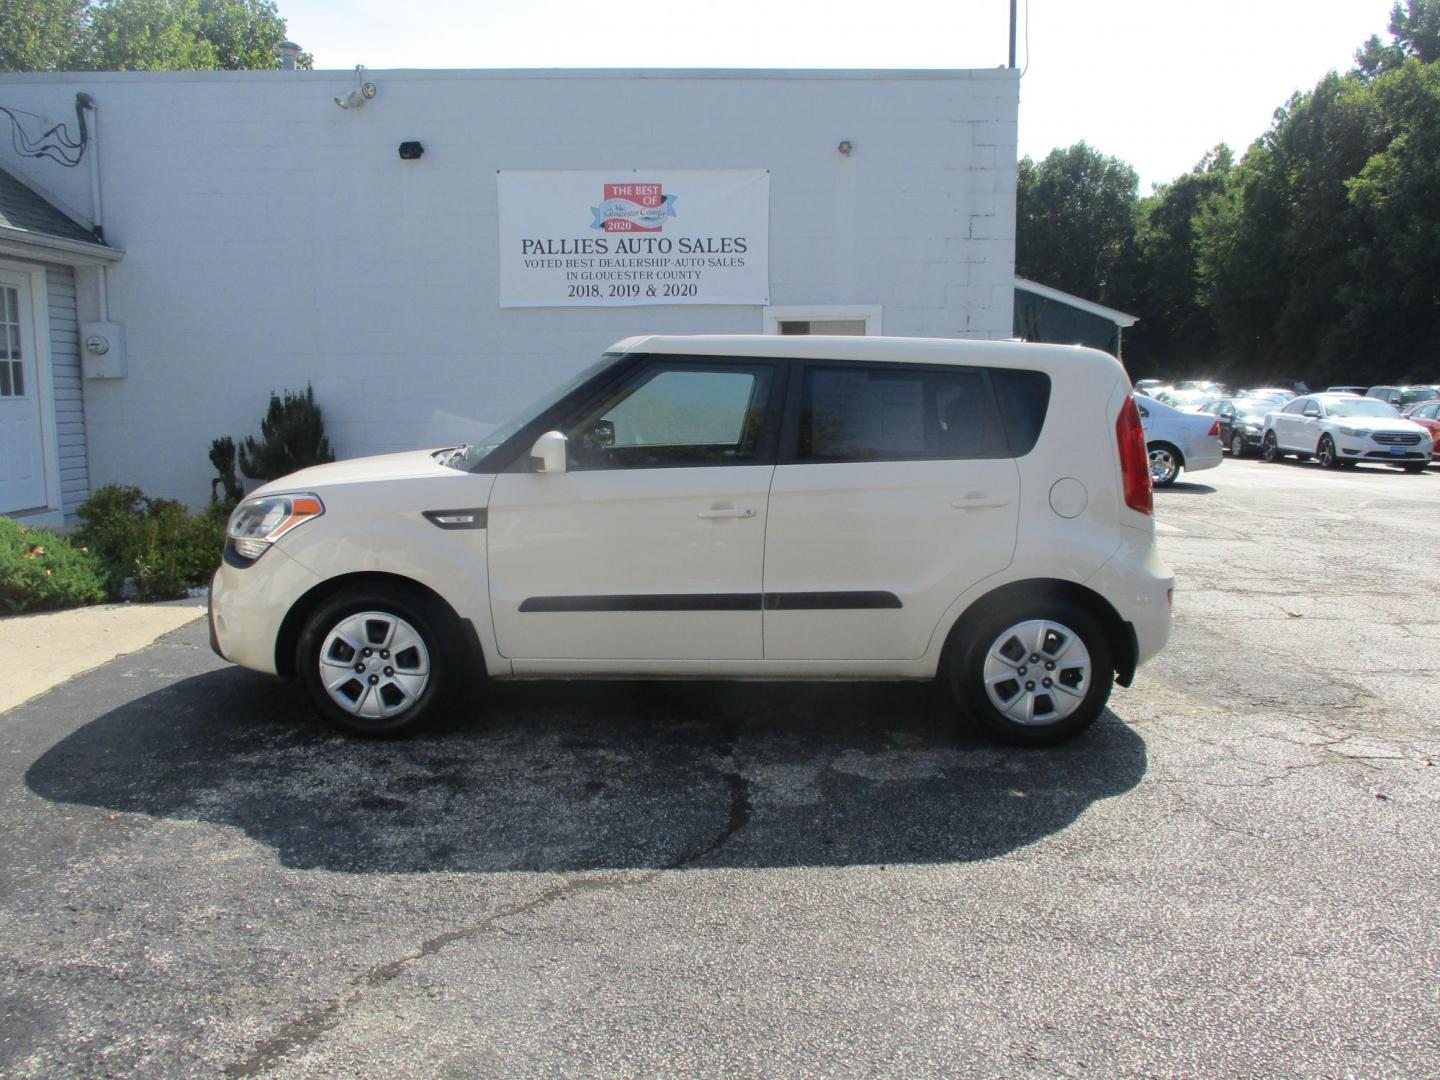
<point x="357" y="97"/>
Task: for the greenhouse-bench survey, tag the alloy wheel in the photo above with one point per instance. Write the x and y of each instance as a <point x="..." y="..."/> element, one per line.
<point x="1163" y="466"/>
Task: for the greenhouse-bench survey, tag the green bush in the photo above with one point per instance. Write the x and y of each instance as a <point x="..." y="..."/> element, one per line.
<point x="157" y="543"/>
<point x="292" y="437"/>
<point x="40" y="571"/>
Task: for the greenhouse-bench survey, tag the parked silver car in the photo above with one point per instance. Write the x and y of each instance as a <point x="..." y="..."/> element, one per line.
<point x="1178" y="440"/>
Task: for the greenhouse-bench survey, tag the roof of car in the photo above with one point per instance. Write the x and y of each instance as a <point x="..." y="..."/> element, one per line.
<point x="1016" y="354"/>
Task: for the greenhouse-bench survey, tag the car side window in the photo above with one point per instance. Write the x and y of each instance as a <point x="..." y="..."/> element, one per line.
<point x="896" y="412"/>
<point x="669" y="415"/>
<point x="1297" y="406"/>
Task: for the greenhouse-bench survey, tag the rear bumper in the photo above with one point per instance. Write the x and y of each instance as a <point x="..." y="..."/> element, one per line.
<point x="1140" y="586"/>
<point x="1204" y="457"/>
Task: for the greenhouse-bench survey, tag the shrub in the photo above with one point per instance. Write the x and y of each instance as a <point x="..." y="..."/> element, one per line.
<point x="40" y="571"/>
<point x="222" y="456"/>
<point x="292" y="437"/>
<point x="158" y="543"/>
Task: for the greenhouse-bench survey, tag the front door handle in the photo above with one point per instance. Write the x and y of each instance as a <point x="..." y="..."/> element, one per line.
<point x="980" y="502"/>
<point x="728" y="512"/>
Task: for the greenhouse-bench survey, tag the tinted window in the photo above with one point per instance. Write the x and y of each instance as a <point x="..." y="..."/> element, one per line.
<point x="1024" y="402"/>
<point x="892" y="412"/>
<point x="674" y="414"/>
<point x="1296" y="406"/>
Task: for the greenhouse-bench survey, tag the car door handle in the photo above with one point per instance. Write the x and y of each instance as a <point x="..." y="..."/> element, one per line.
<point x="728" y="512"/>
<point x="980" y="502"/>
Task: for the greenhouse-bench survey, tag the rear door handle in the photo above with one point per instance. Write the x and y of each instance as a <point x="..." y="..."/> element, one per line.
<point x="980" y="502"/>
<point x="728" y="512"/>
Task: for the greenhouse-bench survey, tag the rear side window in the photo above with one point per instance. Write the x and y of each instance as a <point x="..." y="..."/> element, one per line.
<point x="892" y="412"/>
<point x="1024" y="402"/>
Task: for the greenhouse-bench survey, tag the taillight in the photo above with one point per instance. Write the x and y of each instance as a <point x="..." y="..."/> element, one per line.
<point x="1134" y="459"/>
<point x="1215" y="430"/>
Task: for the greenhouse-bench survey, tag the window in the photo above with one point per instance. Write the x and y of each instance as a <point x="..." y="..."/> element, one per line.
<point x="845" y="319"/>
<point x="12" y="364"/>
<point x="1297" y="406"/>
<point x="893" y="412"/>
<point x="674" y="414"/>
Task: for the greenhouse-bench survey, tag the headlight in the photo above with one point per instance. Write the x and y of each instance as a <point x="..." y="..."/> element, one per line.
<point x="1353" y="432"/>
<point x="258" y="523"/>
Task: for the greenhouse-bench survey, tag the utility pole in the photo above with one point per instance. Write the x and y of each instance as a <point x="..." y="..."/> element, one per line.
<point x="1012" y="32"/>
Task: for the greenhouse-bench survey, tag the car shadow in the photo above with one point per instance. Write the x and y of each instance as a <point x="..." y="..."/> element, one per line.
<point x="578" y="776"/>
<point x="1186" y="487"/>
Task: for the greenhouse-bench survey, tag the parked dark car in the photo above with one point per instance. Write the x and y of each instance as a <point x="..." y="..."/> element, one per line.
<point x="1242" y="420"/>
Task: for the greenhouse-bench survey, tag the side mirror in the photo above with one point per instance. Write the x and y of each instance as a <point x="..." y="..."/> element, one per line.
<point x="549" y="449"/>
<point x="1313" y="414"/>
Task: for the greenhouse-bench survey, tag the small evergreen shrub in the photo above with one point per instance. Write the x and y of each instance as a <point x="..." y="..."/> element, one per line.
<point x="292" y="436"/>
<point x="222" y="456"/>
<point x="40" y="571"/>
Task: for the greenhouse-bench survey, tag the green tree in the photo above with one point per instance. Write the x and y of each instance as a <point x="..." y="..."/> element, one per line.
<point x="1075" y="223"/>
<point x="42" y="35"/>
<point x="1414" y="31"/>
<point x="141" y="35"/>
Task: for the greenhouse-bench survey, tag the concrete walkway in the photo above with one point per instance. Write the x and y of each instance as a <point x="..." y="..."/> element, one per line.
<point x="47" y="648"/>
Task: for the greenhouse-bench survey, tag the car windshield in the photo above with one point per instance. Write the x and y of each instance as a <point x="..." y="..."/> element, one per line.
<point x="477" y="452"/>
<point x="1255" y="408"/>
<point x="1360" y="407"/>
<point x="1418" y="393"/>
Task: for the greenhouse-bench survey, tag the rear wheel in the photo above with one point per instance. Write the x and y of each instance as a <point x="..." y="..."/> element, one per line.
<point x="1270" y="449"/>
<point x="1164" y="464"/>
<point x="379" y="659"/>
<point x="1032" y="672"/>
<point x="1325" y="453"/>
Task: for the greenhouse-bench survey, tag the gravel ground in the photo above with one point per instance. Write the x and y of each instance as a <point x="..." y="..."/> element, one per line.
<point x="1234" y="872"/>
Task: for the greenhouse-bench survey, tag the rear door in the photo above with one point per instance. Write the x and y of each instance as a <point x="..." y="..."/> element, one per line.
<point x="895" y="492"/>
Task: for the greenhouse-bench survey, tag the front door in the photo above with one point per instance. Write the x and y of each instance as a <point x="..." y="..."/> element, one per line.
<point x="899" y="494"/>
<point x="650" y="547"/>
<point x="22" y="452"/>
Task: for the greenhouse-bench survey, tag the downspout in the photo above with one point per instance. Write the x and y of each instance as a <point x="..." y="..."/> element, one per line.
<point x="92" y="144"/>
<point x="1012" y="32"/>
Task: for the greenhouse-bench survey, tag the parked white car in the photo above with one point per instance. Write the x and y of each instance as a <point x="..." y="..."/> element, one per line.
<point x="731" y="507"/>
<point x="1342" y="429"/>
<point x="1178" y="439"/>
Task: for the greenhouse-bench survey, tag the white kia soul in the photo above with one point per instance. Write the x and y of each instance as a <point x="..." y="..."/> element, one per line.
<point x="731" y="507"/>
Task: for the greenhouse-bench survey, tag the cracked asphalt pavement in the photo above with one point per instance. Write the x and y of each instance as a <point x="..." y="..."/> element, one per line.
<point x="1235" y="872"/>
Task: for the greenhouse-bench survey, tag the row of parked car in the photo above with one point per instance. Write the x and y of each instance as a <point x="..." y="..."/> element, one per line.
<point x="1343" y="426"/>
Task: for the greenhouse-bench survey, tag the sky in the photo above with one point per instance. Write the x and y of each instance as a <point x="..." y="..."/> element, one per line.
<point x="1156" y="84"/>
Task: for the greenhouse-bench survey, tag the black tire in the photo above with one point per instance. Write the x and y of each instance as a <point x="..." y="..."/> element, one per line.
<point x="1168" y="459"/>
<point x="1417" y="467"/>
<point x="1237" y="444"/>
<point x="1270" y="449"/>
<point x="439" y="654"/>
<point x="1325" y="453"/>
<point x="966" y="659"/>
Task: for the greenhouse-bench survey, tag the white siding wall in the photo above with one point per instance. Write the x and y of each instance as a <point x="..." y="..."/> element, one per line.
<point x="272" y="239"/>
<point x="69" y="402"/>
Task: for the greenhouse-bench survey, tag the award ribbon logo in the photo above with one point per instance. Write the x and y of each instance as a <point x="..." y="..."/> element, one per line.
<point x="633" y="208"/>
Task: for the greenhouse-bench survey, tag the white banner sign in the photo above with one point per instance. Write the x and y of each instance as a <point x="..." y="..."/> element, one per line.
<point x="622" y="238"/>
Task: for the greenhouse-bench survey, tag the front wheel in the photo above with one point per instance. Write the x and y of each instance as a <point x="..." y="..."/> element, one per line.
<point x="1270" y="449"/>
<point x="1164" y="464"/>
<point x="1034" y="672"/>
<point x="1417" y="467"/>
<point x="1237" y="444"/>
<point x="1325" y="453"/>
<point x="378" y="659"/>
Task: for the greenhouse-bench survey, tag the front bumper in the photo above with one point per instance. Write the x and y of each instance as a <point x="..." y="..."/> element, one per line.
<point x="248" y="604"/>
<point x="1364" y="448"/>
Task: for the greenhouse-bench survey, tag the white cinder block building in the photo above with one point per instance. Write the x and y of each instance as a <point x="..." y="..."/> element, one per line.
<point x="257" y="236"/>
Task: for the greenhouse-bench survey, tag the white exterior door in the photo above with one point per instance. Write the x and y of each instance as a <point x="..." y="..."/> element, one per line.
<point x="22" y="450"/>
<point x="901" y="496"/>
<point x="650" y="547"/>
